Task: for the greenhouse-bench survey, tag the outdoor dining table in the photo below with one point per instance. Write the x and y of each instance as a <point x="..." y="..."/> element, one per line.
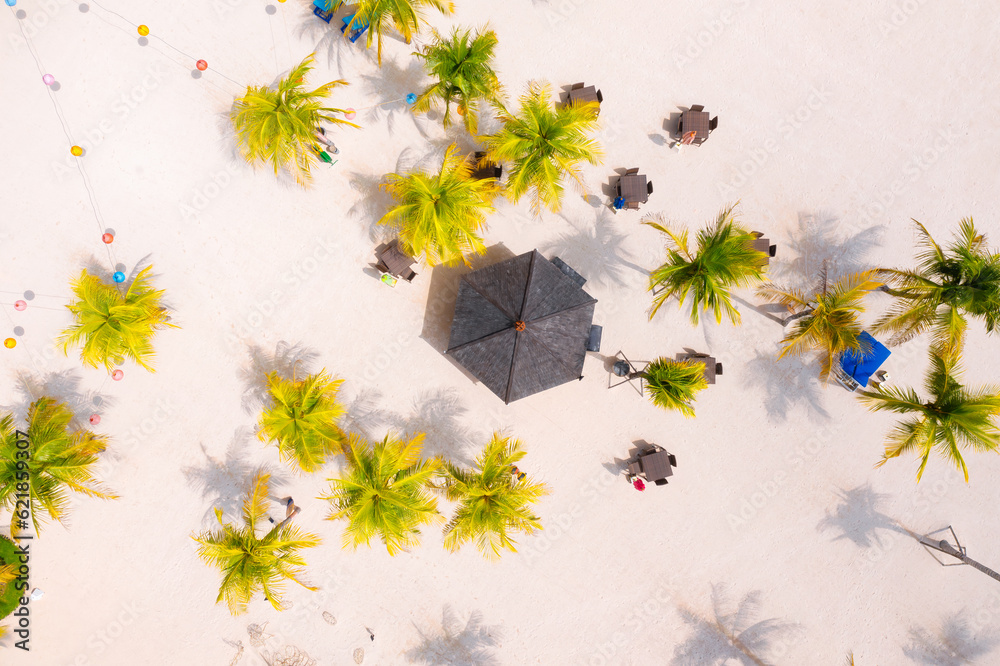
<point x="588" y="94"/>
<point x="481" y="168"/>
<point x="762" y="244"/>
<point x="656" y="465"/>
<point x="632" y="188"/>
<point x="697" y="122"/>
<point x="395" y="260"/>
<point x="709" y="362"/>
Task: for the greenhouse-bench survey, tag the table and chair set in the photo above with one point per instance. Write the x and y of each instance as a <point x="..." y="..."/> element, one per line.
<point x="694" y="127"/>
<point x="393" y="264"/>
<point x="653" y="464"/>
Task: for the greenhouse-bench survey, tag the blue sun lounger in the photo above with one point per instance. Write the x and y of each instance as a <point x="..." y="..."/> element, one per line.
<point x="325" y="8"/>
<point x="356" y="31"/>
<point x="855" y="368"/>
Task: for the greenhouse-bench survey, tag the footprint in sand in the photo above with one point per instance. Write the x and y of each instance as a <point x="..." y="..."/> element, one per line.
<point x="329" y="618"/>
<point x="359" y="655"/>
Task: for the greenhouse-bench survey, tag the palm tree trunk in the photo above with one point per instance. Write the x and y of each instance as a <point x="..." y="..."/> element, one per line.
<point x="892" y="292"/>
<point x="947" y="548"/>
<point x="797" y="315"/>
<point x="739" y="645"/>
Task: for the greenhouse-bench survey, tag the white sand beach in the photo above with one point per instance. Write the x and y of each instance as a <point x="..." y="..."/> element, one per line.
<point x="837" y="125"/>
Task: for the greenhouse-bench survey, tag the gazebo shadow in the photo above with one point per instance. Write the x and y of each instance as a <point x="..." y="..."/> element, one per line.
<point x="468" y="643"/>
<point x="954" y="644"/>
<point x="857" y="517"/>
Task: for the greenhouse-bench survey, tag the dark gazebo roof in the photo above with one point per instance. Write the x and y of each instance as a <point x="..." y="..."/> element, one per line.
<point x="521" y="326"/>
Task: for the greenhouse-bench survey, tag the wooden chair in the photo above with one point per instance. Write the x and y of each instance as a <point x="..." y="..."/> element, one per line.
<point x="649" y="187"/>
<point x="577" y="86"/>
<point x="673" y="460"/>
<point x="594" y="340"/>
<point x="600" y="97"/>
<point x="772" y="250"/>
<point x="634" y="469"/>
<point x="660" y="482"/>
<point x="697" y="107"/>
<point x="632" y="205"/>
<point x="713" y="123"/>
<point x="632" y="171"/>
<point x="408" y="275"/>
<point x="718" y="368"/>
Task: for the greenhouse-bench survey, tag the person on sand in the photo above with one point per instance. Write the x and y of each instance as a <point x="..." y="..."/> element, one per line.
<point x="290" y="509"/>
<point x="320" y="135"/>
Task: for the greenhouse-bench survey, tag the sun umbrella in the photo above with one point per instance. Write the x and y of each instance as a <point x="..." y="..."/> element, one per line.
<point x="521" y="326"/>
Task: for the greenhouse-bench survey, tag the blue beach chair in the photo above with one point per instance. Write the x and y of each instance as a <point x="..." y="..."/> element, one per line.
<point x="356" y="31"/>
<point x="854" y="369"/>
<point x="324" y="9"/>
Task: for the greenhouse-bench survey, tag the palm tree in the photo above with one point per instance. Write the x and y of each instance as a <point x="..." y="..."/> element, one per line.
<point x="725" y="258"/>
<point x="404" y="15"/>
<point x="278" y="126"/>
<point x="302" y="419"/>
<point x="59" y="459"/>
<point x="439" y="215"/>
<point x="462" y="65"/>
<point x="10" y="596"/>
<point x="829" y="322"/>
<point x="673" y="384"/>
<point x="110" y="326"/>
<point x="492" y="501"/>
<point x="383" y="492"/>
<point x="542" y="143"/>
<point x="952" y="419"/>
<point x="946" y="286"/>
<point x="251" y="563"/>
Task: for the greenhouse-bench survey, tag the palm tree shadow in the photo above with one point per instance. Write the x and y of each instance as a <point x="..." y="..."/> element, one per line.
<point x="391" y="84"/>
<point x="857" y="517"/>
<point x="953" y="644"/>
<point x="65" y="387"/>
<point x="287" y="360"/>
<point x="459" y="644"/>
<point x="438" y="414"/>
<point x="786" y="383"/>
<point x="364" y="416"/>
<point x="224" y="482"/>
<point x="819" y="237"/>
<point x="596" y="251"/>
<point x="731" y="636"/>
<point x="375" y="201"/>
<point x="372" y="205"/>
<point x="328" y="39"/>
